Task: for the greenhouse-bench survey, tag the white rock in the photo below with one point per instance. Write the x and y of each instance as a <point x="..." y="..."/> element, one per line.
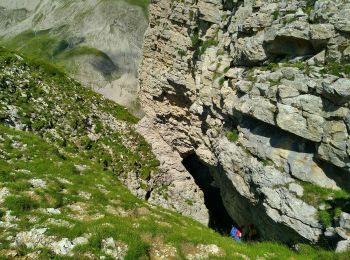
<point x="62" y="247"/>
<point x="343" y="246"/>
<point x="8" y="219"/>
<point x="344" y="220"/>
<point x="80" y="241"/>
<point x="117" y="250"/>
<point x="53" y="211"/>
<point x="24" y="171"/>
<point x="80" y="167"/>
<point x="297" y="189"/>
<point x="85" y="195"/>
<point x="4" y="192"/>
<point x="59" y="222"/>
<point x="38" y="183"/>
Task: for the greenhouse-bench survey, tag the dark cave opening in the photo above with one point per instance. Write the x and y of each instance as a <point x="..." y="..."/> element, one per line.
<point x="219" y="219"/>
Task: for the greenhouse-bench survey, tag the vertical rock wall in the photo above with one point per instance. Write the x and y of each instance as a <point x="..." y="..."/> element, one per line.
<point x="260" y="91"/>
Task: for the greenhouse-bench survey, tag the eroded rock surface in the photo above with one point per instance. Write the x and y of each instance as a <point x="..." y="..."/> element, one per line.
<point x="172" y="180"/>
<point x="272" y="77"/>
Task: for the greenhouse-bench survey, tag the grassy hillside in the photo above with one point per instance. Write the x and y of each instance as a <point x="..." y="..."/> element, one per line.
<point x="62" y="150"/>
<point x="97" y="42"/>
<point x="48" y="46"/>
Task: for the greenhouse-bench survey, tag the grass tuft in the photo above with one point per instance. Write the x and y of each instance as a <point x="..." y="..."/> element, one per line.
<point x="20" y="204"/>
<point x="232" y="136"/>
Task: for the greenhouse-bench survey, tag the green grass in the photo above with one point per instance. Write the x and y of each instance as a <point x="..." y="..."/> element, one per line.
<point x="272" y="67"/>
<point x="205" y="45"/>
<point x="76" y="103"/>
<point x="325" y="217"/>
<point x="35" y="43"/>
<point x="52" y="45"/>
<point x="275" y="15"/>
<point x="315" y="195"/>
<point x="49" y="165"/>
<point x="84" y="50"/>
<point x="20" y="204"/>
<point x="176" y="230"/>
<point x="221" y="81"/>
<point x="181" y="52"/>
<point x="290" y="20"/>
<point x="337" y="69"/>
<point x="268" y="162"/>
<point x="46" y="46"/>
<point x="201" y="46"/>
<point x="309" y="7"/>
<point x="232" y="136"/>
<point x="275" y="82"/>
<point x="331" y="199"/>
<point x="40" y="46"/>
<point x="195" y="39"/>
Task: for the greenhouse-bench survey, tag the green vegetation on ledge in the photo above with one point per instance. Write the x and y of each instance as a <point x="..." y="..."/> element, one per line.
<point x="330" y="201"/>
<point x="232" y="136"/>
<point x="201" y="46"/>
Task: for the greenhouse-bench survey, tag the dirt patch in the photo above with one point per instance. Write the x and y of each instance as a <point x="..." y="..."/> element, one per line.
<point x="160" y="250"/>
<point x="80" y="212"/>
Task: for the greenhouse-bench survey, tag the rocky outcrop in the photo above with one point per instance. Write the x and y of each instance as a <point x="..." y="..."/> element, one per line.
<point x="172" y="180"/>
<point x="272" y="78"/>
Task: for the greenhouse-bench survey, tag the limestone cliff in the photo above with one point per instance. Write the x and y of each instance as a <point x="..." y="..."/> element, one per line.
<point x="259" y="91"/>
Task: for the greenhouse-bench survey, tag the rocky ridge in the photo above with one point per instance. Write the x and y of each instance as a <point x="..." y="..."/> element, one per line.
<point x="259" y="91"/>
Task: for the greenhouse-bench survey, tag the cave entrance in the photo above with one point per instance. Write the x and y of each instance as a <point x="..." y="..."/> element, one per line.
<point x="219" y="219"/>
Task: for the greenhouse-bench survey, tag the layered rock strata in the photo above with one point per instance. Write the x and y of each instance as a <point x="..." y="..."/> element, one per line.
<point x="259" y="91"/>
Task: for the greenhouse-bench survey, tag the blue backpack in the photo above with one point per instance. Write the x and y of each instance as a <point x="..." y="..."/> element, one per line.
<point x="233" y="232"/>
<point x="236" y="234"/>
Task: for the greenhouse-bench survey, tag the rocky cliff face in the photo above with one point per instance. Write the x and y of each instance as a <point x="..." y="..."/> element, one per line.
<point x="259" y="91"/>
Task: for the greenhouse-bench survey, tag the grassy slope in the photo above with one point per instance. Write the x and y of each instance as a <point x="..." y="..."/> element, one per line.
<point x="46" y="156"/>
<point x="65" y="112"/>
<point x="51" y="46"/>
<point x="135" y="229"/>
